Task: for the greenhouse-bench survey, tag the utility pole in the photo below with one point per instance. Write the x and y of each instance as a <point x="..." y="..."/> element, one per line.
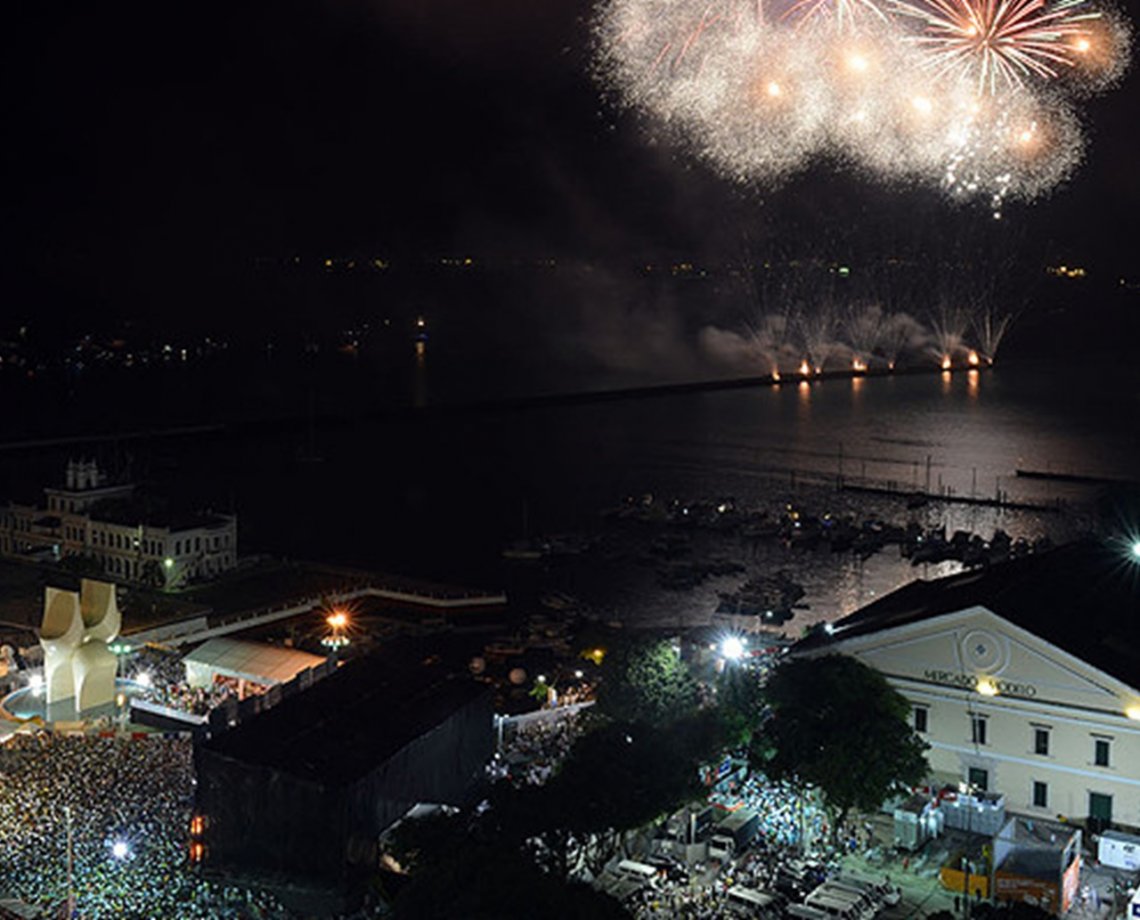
<point x="70" y="866"/>
<point x="966" y="887"/>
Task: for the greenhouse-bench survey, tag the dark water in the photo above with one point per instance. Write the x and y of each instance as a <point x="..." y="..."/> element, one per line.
<point x="439" y="493"/>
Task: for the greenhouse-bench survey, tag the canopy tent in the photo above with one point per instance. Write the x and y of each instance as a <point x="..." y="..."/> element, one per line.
<point x="245" y="661"/>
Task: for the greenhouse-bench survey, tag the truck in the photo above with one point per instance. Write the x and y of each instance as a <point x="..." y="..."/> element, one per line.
<point x="1121" y="851"/>
<point x="741" y="826"/>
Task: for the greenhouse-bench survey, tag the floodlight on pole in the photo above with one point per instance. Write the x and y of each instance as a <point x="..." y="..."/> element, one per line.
<point x="337" y="621"/>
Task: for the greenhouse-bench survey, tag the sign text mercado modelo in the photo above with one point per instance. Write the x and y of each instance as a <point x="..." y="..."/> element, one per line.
<point x="970" y="682"/>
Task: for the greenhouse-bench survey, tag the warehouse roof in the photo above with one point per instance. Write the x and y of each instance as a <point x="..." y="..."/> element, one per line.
<point x="355" y="719"/>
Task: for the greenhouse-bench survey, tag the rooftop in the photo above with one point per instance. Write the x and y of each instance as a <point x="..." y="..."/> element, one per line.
<point x="1083" y="597"/>
<point x="352" y="721"/>
<point x="256" y="661"/>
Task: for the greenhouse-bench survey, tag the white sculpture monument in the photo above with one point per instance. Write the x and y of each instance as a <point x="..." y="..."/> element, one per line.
<point x="76" y="630"/>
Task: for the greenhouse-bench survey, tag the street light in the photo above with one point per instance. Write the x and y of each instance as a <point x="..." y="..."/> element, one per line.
<point x="338" y="622"/>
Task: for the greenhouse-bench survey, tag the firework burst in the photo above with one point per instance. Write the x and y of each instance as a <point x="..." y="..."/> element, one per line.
<point x="974" y="102"/>
<point x="1001" y="43"/>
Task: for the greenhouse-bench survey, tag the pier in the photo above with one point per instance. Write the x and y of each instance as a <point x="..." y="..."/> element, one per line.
<point x="921" y="498"/>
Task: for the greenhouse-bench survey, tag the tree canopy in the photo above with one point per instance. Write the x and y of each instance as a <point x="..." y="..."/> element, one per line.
<point x="485" y="882"/>
<point x="645" y="680"/>
<point x="837" y="724"/>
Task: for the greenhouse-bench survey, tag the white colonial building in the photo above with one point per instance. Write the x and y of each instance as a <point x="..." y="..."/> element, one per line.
<point x="91" y="516"/>
<point x="1024" y="678"/>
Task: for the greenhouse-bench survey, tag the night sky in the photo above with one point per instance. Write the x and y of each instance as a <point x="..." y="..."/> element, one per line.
<point x="153" y="152"/>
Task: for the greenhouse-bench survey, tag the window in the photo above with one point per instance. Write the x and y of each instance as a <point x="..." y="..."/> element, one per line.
<point x="1040" y="795"/>
<point x="920" y="718"/>
<point x="978" y="778"/>
<point x="1041" y="741"/>
<point x="1100" y="751"/>
<point x="978" y="729"/>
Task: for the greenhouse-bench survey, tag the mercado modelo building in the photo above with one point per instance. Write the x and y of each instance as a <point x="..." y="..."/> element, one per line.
<point x="1024" y="677"/>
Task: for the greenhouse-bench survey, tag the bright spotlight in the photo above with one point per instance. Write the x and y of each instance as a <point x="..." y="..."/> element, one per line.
<point x="1136" y="550"/>
<point x="337" y="620"/>
<point x="732" y="648"/>
<point x="987" y="687"/>
<point x="144" y="679"/>
<point x="120" y="850"/>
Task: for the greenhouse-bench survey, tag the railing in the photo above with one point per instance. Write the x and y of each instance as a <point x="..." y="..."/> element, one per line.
<point x="197" y="629"/>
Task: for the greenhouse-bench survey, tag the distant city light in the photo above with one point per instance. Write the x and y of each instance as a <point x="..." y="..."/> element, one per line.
<point x="732" y="648"/>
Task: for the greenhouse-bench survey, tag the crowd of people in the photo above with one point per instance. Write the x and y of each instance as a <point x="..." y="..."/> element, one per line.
<point x="533" y="750"/>
<point x="197" y="700"/>
<point x="164" y="675"/>
<point x="125" y="806"/>
<point x="785" y="815"/>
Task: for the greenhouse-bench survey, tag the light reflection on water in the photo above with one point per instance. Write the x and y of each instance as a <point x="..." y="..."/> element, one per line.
<point x="969" y="432"/>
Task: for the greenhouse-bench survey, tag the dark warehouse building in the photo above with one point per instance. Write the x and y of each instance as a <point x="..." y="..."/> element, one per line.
<point x="304" y="790"/>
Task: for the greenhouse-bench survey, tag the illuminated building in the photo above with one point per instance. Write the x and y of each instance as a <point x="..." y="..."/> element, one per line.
<point x="1024" y="678"/>
<point x="95" y="517"/>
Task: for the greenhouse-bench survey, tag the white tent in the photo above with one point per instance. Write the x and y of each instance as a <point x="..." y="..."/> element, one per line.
<point x="249" y="661"/>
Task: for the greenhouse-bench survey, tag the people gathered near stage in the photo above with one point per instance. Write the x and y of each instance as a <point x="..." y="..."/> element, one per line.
<point x="164" y="676"/>
<point x="533" y="751"/>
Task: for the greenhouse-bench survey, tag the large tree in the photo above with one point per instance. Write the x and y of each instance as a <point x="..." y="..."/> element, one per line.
<point x="483" y="881"/>
<point x="741" y="705"/>
<point x="837" y="724"/>
<point x="645" y="680"/>
<point x="618" y="778"/>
